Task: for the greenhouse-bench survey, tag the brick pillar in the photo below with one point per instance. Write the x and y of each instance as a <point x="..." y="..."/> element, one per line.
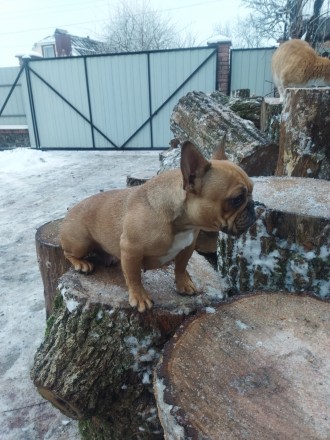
<point x="223" y="64"/>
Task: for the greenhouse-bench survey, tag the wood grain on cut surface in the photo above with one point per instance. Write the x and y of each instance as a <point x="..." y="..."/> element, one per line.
<point x="257" y="368"/>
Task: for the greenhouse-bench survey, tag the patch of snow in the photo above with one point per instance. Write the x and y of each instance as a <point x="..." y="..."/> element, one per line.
<point x="71" y="304"/>
<point x="241" y="325"/>
<point x="146" y="378"/>
<point x="173" y="429"/>
<point x="218" y="39"/>
<point x="99" y="315"/>
<point x="144" y="355"/>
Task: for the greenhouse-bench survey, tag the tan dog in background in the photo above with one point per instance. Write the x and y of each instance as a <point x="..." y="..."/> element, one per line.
<point x="150" y="225"/>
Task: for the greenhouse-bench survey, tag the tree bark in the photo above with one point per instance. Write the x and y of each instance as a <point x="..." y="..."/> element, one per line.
<point x="52" y="263"/>
<point x="270" y="118"/>
<point x="98" y="355"/>
<point x="289" y="245"/>
<point x="255" y="368"/>
<point x="206" y="118"/>
<point x="305" y="133"/>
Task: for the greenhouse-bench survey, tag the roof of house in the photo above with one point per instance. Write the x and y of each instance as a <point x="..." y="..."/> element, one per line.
<point x="79" y="45"/>
<point x="87" y="46"/>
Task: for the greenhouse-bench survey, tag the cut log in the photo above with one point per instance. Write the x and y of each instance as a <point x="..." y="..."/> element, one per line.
<point x="241" y="93"/>
<point x="257" y="368"/>
<point x="270" y="118"/>
<point x="137" y="179"/>
<point x="305" y="133"/>
<point x="96" y="361"/>
<point x="248" y="108"/>
<point x="205" y="118"/>
<point x="289" y="245"/>
<point x="52" y="263"/>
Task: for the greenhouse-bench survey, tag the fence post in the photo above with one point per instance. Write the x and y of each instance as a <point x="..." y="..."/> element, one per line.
<point x="223" y="45"/>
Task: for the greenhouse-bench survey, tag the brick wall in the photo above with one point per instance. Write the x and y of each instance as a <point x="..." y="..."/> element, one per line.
<point x="223" y="65"/>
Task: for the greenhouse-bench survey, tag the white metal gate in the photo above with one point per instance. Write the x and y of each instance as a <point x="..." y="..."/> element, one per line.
<point x="113" y="101"/>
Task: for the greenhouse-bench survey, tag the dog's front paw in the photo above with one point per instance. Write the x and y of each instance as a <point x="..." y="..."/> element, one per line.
<point x="84" y="266"/>
<point x="184" y="284"/>
<point x="141" y="300"/>
<point x="79" y="265"/>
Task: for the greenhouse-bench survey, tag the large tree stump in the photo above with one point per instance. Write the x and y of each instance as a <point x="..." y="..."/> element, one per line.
<point x="205" y="119"/>
<point x="96" y="361"/>
<point x="257" y="368"/>
<point x="52" y="263"/>
<point x="138" y="179"/>
<point x="305" y="133"/>
<point x="289" y="245"/>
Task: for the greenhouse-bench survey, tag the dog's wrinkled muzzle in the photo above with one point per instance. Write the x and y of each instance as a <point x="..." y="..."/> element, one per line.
<point x="243" y="221"/>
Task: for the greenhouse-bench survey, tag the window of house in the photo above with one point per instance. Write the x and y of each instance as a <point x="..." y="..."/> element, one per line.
<point x="48" y="51"/>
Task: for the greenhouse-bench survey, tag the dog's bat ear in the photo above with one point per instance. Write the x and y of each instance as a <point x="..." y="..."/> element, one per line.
<point x="219" y="152"/>
<point x="193" y="166"/>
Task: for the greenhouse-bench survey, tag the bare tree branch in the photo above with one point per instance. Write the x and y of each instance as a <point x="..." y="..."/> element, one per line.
<point x="138" y="27"/>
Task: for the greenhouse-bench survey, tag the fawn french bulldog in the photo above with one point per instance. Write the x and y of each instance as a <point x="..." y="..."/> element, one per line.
<point x="150" y="225"/>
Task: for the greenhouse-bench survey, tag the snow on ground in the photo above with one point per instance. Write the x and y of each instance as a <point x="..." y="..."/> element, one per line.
<point x="37" y="187"/>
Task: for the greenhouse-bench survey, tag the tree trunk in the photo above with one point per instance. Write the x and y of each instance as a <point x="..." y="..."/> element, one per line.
<point x="289" y="245"/>
<point x="305" y="133"/>
<point x="97" y="358"/>
<point x="256" y="368"/>
<point x="52" y="263"/>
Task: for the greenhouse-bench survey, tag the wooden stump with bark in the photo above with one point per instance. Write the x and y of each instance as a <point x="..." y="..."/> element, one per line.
<point x="137" y="179"/>
<point x="305" y="132"/>
<point x="52" y="263"/>
<point x="96" y="361"/>
<point x="289" y="245"/>
<point x="255" y="368"/>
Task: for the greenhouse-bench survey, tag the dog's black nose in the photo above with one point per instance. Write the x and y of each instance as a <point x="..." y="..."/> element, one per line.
<point x="251" y="211"/>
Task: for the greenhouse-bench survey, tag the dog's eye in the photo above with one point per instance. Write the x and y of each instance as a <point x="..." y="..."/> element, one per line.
<point x="237" y="201"/>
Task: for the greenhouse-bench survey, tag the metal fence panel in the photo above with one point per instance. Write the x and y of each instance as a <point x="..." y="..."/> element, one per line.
<point x="14" y="112"/>
<point x="114" y="101"/>
<point x="58" y="124"/>
<point x="119" y="89"/>
<point x="251" y="69"/>
<point x="173" y="77"/>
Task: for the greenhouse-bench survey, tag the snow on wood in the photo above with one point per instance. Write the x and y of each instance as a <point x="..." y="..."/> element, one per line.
<point x="96" y="343"/>
<point x="289" y="246"/>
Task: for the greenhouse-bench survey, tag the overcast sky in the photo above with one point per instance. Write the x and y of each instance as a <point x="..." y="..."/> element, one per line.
<point x="24" y="22"/>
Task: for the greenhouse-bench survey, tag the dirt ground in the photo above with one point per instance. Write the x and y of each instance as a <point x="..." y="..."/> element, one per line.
<point x="37" y="187"/>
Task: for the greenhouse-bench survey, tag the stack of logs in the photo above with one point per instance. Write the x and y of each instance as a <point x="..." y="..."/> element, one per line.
<point x="252" y="366"/>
